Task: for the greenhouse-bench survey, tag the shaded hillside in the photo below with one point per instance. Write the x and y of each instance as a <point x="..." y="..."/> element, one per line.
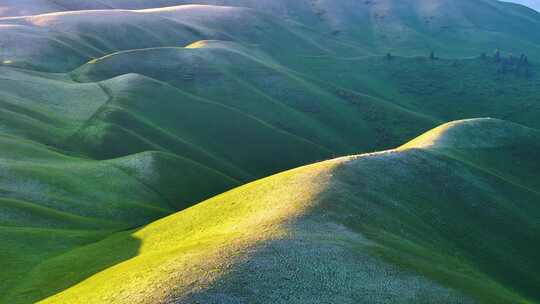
<point x="52" y="203"/>
<point x="146" y="114"/>
<point x="245" y="79"/>
<point x="442" y="88"/>
<point x="450" y="217"/>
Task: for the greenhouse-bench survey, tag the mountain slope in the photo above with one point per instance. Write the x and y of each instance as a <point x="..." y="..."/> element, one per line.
<point x="442" y="88"/>
<point x="453" y="28"/>
<point x="114" y="113"/>
<point x="52" y="203"/>
<point x="356" y="221"/>
<point x="149" y="115"/>
<point x="245" y="79"/>
<point x="61" y="41"/>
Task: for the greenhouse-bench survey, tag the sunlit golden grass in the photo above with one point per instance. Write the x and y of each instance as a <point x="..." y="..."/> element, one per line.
<point x="190" y="250"/>
<point x="338" y="224"/>
<point x="198" y="44"/>
<point x="429" y="139"/>
<point x="470" y="134"/>
<point x="353" y="222"/>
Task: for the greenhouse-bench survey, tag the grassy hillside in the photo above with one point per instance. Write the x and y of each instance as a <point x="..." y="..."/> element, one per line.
<point x="111" y="119"/>
<point x="62" y="41"/>
<point x="453" y="28"/>
<point x="445" y="89"/>
<point x="145" y="114"/>
<point x="356" y="221"/>
<point x="47" y="108"/>
<point x="247" y="80"/>
<point x="52" y="203"/>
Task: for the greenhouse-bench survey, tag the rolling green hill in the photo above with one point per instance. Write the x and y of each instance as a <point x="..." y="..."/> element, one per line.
<point x="451" y="217"/>
<point x="118" y="116"/>
<point x="52" y="203"/>
<point x="251" y="83"/>
<point x="445" y="89"/>
<point x="62" y="41"/>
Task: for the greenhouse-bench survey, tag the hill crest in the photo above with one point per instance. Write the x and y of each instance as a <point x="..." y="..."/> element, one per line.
<point x="473" y="133"/>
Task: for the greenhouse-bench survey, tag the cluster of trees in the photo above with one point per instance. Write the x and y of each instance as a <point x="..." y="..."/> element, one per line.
<point x="510" y="59"/>
<point x="506" y="64"/>
<point x="509" y="63"/>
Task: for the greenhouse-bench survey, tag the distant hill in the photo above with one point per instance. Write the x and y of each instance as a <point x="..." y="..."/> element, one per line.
<point x="453" y="28"/>
<point x="534" y="4"/>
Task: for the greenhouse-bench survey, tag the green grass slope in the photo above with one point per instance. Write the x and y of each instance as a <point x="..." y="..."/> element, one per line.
<point x="145" y="114"/>
<point x="440" y="219"/>
<point x="451" y="27"/>
<point x="445" y="89"/>
<point x="79" y="161"/>
<point x="52" y="203"/>
<point x="412" y="27"/>
<point x="47" y="108"/>
<point x="68" y="37"/>
<point x="247" y="80"/>
<point x="187" y="111"/>
<point x="113" y="118"/>
<point x="62" y="41"/>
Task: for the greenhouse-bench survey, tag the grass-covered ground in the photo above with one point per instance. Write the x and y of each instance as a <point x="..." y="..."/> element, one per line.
<point x="52" y="203"/>
<point x="61" y="207"/>
<point x="112" y="119"/>
<point x="453" y="27"/>
<point x="423" y="223"/>
<point x="446" y="89"/>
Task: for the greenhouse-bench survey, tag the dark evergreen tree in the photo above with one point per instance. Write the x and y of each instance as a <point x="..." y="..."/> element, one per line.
<point x="523" y="60"/>
<point x="497" y="56"/>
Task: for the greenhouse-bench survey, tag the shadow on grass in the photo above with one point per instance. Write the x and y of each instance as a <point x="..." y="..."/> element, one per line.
<point x="452" y="228"/>
<point x="72" y="267"/>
